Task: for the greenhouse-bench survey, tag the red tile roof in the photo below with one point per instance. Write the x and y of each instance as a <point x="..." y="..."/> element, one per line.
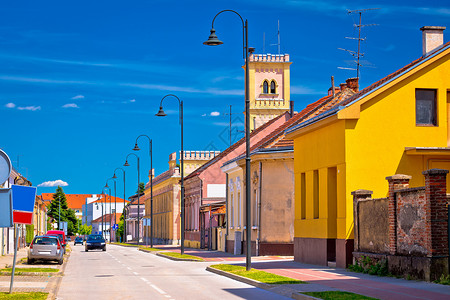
<point x="74" y="201"/>
<point x="107" y="218"/>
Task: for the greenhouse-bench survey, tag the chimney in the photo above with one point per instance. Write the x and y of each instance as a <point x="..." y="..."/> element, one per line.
<point x="432" y="38"/>
<point x="342" y="86"/>
<point x="352" y="83"/>
<point x="291" y="108"/>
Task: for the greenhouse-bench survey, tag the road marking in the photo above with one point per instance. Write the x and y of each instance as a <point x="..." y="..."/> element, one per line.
<point x="135" y="273"/>
<point x="158" y="289"/>
<point x="144" y="279"/>
<point x="119" y="261"/>
<point x="128" y="268"/>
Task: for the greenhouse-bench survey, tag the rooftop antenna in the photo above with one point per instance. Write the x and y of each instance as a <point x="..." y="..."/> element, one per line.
<point x="264" y="43"/>
<point x="230" y="114"/>
<point x="357" y="54"/>
<point x="279" y="41"/>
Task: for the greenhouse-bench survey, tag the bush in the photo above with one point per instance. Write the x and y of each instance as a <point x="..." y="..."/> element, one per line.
<point x="366" y="265"/>
<point x="30" y="233"/>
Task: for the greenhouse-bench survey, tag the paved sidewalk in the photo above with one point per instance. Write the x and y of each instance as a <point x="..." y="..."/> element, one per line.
<point x="324" y="278"/>
<point x="7" y="260"/>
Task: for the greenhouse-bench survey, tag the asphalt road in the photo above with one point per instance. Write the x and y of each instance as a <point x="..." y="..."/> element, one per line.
<point x="126" y="273"/>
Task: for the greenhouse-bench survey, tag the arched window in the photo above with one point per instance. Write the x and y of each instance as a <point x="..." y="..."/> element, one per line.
<point x="265" y="87"/>
<point x="273" y="89"/>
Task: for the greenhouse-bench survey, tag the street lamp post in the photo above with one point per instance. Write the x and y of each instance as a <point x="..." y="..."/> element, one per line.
<point x="136" y="148"/>
<point x="214" y="41"/>
<point x="126" y="164"/>
<point x="162" y="114"/>
<point x="124" y="215"/>
<point x="115" y="208"/>
<point x="104" y="217"/>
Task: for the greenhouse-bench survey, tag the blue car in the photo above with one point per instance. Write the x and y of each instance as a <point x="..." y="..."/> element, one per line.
<point x="95" y="241"/>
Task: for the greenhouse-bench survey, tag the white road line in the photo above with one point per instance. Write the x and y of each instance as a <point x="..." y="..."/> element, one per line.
<point x="135" y="273"/>
<point x="128" y="268"/>
<point x="119" y="261"/>
<point x="144" y="279"/>
<point x="158" y="289"/>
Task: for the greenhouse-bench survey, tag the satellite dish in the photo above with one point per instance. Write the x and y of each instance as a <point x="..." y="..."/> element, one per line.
<point x="5" y="166"/>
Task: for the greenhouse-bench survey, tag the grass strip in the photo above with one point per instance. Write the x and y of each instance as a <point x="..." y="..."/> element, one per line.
<point x="31" y="296"/>
<point x="338" y="295"/>
<point x="258" y="275"/>
<point x="150" y="248"/>
<point x="178" y="255"/>
<point x="124" y="244"/>
<point x="34" y="270"/>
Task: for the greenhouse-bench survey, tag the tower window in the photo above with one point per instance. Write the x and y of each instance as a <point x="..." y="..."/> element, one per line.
<point x="265" y="87"/>
<point x="273" y="89"/>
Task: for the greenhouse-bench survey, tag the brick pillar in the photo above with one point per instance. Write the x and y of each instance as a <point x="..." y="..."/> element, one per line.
<point x="358" y="195"/>
<point x="396" y="182"/>
<point x="436" y="210"/>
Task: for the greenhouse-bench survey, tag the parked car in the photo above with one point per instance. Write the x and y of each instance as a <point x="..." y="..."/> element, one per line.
<point x="45" y="248"/>
<point x="95" y="241"/>
<point x="78" y="240"/>
<point x="59" y="233"/>
<point x="69" y="239"/>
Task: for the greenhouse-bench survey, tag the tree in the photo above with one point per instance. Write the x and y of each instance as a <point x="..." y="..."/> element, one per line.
<point x="141" y="188"/>
<point x="58" y="206"/>
<point x="119" y="233"/>
<point x="59" y="211"/>
<point x="85" y="230"/>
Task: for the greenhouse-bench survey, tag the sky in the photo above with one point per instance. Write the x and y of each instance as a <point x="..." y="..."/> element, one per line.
<point x="80" y="80"/>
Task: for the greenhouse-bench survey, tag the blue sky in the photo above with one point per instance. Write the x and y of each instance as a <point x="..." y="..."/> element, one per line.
<point x="80" y="80"/>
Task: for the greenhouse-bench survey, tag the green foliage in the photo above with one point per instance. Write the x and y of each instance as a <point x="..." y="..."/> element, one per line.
<point x="141" y="188"/>
<point x="332" y="295"/>
<point x="59" y="211"/>
<point x="178" y="255"/>
<point x="369" y="266"/>
<point x="443" y="280"/>
<point x="85" y="230"/>
<point x="30" y="295"/>
<point x="30" y="233"/>
<point x="260" y="276"/>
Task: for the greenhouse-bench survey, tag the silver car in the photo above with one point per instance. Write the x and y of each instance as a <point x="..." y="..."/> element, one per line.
<point x="46" y="248"/>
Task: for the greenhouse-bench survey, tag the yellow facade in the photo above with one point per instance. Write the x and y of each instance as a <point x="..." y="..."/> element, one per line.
<point x="266" y="105"/>
<point x="361" y="144"/>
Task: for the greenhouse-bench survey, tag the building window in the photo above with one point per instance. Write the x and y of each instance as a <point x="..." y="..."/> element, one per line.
<point x="273" y="89"/>
<point x="232" y="211"/>
<point x="265" y="87"/>
<point x="316" y="194"/>
<point x="303" y="196"/>
<point x="426" y="107"/>
<point x="239" y="209"/>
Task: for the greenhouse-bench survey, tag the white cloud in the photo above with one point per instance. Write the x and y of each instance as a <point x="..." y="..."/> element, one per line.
<point x="32" y="108"/>
<point x="77" y="97"/>
<point x="54" y="183"/>
<point x="133" y="100"/>
<point x="204" y="115"/>
<point x="70" y="105"/>
<point x="214" y="114"/>
<point x="10" y="105"/>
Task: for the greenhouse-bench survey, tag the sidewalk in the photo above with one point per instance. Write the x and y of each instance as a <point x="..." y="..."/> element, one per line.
<point x="328" y="279"/>
<point x="8" y="258"/>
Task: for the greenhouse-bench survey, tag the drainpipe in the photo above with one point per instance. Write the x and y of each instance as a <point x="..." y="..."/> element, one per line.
<point x="226" y="210"/>
<point x="259" y="210"/>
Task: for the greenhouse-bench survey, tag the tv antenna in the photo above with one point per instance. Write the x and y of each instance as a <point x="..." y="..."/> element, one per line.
<point x="231" y="115"/>
<point x="278" y="41"/>
<point x="357" y="54"/>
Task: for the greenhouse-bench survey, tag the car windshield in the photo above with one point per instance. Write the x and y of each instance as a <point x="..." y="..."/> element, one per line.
<point x="95" y="238"/>
<point x="45" y="241"/>
<point x="78" y="238"/>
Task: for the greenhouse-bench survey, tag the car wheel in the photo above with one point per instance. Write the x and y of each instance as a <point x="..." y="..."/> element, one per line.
<point x="30" y="261"/>
<point x="104" y="249"/>
<point x="61" y="261"/>
<point x="86" y="250"/>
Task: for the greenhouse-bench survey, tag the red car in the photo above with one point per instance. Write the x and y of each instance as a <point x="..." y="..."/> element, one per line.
<point x="61" y="235"/>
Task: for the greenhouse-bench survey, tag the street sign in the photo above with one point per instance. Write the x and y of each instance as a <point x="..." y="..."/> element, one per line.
<point x="5" y="167"/>
<point x="6" y="212"/>
<point x="23" y="198"/>
<point x="63" y="226"/>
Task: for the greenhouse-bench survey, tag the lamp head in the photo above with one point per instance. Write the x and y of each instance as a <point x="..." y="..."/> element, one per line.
<point x="136" y="147"/>
<point x="106" y="185"/>
<point x="126" y="164"/>
<point x="213" y="40"/>
<point x="114" y="176"/>
<point x="161" y="112"/>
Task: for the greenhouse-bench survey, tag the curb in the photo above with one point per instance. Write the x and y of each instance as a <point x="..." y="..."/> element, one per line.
<point x="177" y="258"/>
<point x="256" y="283"/>
<point x="300" y="296"/>
<point x="148" y="251"/>
<point x="128" y="246"/>
<point x="54" y="291"/>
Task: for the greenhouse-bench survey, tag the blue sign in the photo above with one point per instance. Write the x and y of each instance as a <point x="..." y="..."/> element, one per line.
<point x="6" y="213"/>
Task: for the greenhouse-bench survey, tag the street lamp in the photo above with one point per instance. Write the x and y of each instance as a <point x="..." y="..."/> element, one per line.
<point x="124" y="216"/>
<point x="115" y="208"/>
<point x="214" y="41"/>
<point x="104" y="218"/>
<point x="136" y="148"/>
<point x="162" y="114"/>
<point x="126" y="164"/>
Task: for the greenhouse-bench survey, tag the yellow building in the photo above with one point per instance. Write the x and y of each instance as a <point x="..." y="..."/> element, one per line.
<point x="397" y="125"/>
<point x="269" y="80"/>
<point x="166" y="197"/>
